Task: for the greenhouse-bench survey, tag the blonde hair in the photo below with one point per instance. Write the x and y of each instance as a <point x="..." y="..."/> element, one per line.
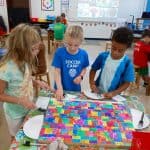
<point x="75" y="32"/>
<point x="19" y="45"/>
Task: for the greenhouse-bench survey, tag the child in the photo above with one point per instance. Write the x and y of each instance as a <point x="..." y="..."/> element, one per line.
<point x="70" y="62"/>
<point x="141" y="55"/>
<point x="116" y="69"/>
<point x="63" y="19"/>
<point x="59" y="30"/>
<point x="16" y="87"/>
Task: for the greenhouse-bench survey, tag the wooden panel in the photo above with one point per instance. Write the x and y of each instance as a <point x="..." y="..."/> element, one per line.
<point x="18" y="3"/>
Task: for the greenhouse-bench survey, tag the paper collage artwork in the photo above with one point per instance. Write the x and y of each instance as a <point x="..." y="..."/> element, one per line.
<point x="87" y="122"/>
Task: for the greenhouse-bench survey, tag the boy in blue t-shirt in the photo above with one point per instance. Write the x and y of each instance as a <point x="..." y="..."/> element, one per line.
<point x="70" y="62"/>
<point x="116" y="69"/>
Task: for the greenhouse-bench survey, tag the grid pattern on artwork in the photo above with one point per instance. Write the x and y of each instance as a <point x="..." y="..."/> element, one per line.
<point x="84" y="122"/>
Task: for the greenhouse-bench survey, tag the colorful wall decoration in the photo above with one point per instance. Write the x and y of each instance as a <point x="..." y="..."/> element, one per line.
<point x="87" y="122"/>
<point x="47" y="5"/>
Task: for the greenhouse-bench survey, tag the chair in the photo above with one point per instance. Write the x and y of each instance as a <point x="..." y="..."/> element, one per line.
<point x="50" y="40"/>
<point x="147" y="93"/>
<point x="58" y="43"/>
<point x="108" y="45"/>
<point x="42" y="72"/>
<point x="42" y="77"/>
<point x="137" y="77"/>
<point x="45" y="75"/>
<point x="137" y="82"/>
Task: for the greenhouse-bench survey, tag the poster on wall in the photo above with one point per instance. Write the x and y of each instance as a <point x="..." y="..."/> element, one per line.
<point x="1" y="2"/>
<point x="47" y="5"/>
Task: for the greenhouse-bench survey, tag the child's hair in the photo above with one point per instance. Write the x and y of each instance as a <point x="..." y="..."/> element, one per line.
<point x="19" y="45"/>
<point x="58" y="19"/>
<point x="75" y="32"/>
<point x="123" y="35"/>
<point x="63" y="15"/>
<point x="146" y="32"/>
<point x="38" y="29"/>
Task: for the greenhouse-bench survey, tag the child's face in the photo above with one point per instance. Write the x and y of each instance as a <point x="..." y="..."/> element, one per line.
<point x="73" y="45"/>
<point x="147" y="39"/>
<point x="35" y="49"/>
<point x="117" y="50"/>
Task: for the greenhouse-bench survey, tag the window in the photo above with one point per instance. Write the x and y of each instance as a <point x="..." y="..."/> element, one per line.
<point x="97" y="8"/>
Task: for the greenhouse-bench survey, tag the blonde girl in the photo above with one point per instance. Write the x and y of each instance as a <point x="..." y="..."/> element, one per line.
<point x="16" y="83"/>
<point x="70" y="62"/>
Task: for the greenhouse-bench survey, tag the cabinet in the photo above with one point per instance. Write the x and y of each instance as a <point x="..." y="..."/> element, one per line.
<point x="139" y="22"/>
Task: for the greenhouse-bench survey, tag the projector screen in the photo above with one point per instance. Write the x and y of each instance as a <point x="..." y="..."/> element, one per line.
<point x="97" y="8"/>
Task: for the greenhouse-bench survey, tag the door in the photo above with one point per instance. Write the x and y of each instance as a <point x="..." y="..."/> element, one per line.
<point x="18" y="12"/>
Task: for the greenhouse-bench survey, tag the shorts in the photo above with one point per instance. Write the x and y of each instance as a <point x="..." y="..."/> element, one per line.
<point x="142" y="71"/>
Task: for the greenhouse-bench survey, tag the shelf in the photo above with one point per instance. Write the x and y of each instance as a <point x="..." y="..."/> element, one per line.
<point x="138" y="21"/>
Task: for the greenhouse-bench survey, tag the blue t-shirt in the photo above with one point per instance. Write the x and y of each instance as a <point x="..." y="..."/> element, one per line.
<point x="71" y="66"/>
<point x="124" y="71"/>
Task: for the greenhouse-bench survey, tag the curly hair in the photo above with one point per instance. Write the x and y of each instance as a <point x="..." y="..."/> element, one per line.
<point x="123" y="35"/>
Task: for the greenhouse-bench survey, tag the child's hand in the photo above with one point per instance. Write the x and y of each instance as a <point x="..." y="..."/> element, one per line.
<point x="94" y="88"/>
<point x="109" y="95"/>
<point x="59" y="94"/>
<point x="77" y="80"/>
<point x="44" y="85"/>
<point x="24" y="101"/>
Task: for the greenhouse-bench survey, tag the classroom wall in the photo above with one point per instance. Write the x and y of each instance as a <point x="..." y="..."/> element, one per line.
<point x="126" y="8"/>
<point x="4" y="14"/>
<point x="147" y="22"/>
<point x="36" y="12"/>
<point x="148" y="6"/>
<point x="103" y="27"/>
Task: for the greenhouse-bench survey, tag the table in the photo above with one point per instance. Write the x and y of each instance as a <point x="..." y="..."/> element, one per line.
<point x="17" y="143"/>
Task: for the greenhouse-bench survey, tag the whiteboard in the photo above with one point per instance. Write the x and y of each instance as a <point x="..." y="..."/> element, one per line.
<point x="126" y="8"/>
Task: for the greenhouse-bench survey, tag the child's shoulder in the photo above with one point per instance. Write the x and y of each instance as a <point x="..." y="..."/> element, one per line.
<point x="127" y="59"/>
<point x="82" y="51"/>
<point x="141" y="42"/>
<point x="104" y="54"/>
<point x="60" y="49"/>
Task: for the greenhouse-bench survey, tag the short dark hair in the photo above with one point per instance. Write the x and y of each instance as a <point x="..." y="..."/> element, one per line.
<point x="145" y="33"/>
<point x="123" y="35"/>
<point x="58" y="19"/>
<point x="63" y="15"/>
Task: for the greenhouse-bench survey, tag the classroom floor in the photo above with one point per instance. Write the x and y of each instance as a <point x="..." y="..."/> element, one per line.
<point x="93" y="47"/>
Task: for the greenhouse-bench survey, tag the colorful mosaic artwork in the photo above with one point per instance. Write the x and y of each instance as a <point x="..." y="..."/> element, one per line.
<point x="87" y="122"/>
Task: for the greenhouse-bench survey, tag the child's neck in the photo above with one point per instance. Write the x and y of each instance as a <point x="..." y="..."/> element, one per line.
<point x="73" y="53"/>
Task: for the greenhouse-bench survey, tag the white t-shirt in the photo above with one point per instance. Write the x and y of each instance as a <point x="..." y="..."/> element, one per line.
<point x="108" y="73"/>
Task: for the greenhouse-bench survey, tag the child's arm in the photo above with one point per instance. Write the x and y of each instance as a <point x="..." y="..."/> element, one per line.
<point x="122" y="87"/>
<point x="79" y="78"/>
<point x="92" y="82"/>
<point x="24" y="101"/>
<point x="57" y="77"/>
<point x="42" y="84"/>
